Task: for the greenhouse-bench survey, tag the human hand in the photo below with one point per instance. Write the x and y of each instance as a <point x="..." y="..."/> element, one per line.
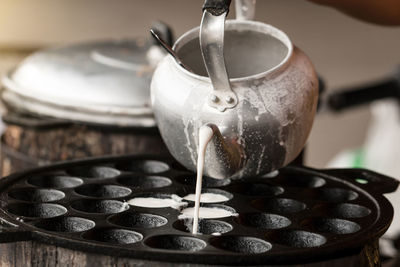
<point x="385" y="12"/>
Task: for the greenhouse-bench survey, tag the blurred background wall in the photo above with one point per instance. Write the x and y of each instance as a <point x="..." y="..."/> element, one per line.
<point x="345" y="51"/>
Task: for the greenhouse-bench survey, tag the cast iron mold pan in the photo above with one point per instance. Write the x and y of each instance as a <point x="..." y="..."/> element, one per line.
<point x="299" y="215"/>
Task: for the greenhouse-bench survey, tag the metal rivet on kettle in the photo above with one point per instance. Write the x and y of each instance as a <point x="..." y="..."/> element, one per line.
<point x="214" y="98"/>
<point x="229" y="99"/>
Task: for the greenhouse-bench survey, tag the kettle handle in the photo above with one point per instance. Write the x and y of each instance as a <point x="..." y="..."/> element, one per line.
<point x="216" y="7"/>
<point x="245" y="9"/>
<point x="212" y="29"/>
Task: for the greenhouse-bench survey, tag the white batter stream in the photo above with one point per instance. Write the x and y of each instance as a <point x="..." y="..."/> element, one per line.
<point x="205" y="135"/>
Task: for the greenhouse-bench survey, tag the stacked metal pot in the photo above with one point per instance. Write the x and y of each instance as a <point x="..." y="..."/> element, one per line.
<point x="76" y="101"/>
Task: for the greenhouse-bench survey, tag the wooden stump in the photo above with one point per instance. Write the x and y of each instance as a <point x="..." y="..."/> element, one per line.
<point x="34" y="254"/>
<point x="24" y="148"/>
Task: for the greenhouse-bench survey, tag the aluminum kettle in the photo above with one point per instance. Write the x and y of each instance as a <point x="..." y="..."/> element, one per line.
<point x="261" y="115"/>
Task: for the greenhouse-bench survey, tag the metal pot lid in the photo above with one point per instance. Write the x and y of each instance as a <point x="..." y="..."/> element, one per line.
<point x="120" y="117"/>
<point x="103" y="78"/>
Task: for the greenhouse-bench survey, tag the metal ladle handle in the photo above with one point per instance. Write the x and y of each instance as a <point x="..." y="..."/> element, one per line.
<point x="211" y="37"/>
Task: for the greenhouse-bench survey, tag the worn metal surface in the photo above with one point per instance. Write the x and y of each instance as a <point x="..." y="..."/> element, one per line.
<point x="277" y="92"/>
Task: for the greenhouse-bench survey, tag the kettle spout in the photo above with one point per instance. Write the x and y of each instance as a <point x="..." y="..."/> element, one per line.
<point x="225" y="157"/>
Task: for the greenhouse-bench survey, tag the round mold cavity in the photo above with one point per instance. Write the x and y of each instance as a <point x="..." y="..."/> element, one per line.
<point x="100" y="206"/>
<point x="298" y="239"/>
<point x="138" y="220"/>
<point x="103" y="191"/>
<point x="350" y="211"/>
<point x="55" y="181"/>
<point x="99" y="172"/>
<point x="209" y="211"/>
<point x="175" y="242"/>
<point x="263" y="220"/>
<point x="279" y="205"/>
<point x="207" y="181"/>
<point x="144" y="182"/>
<point x="206" y="227"/>
<point x="335" y="226"/>
<point x="66" y="224"/>
<point x="337" y="195"/>
<point x="114" y="236"/>
<point x="257" y="189"/>
<point x="42" y="210"/>
<point x="143" y="166"/>
<point x="208" y="195"/>
<point x="36" y="195"/>
<point x="241" y="244"/>
<point x="301" y="180"/>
